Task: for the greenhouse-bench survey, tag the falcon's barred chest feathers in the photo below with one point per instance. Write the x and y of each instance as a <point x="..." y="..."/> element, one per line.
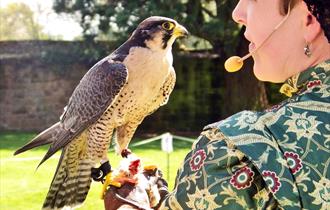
<point x="111" y="100"/>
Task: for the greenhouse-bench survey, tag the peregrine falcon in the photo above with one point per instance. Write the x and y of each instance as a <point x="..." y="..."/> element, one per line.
<point x="110" y="101"/>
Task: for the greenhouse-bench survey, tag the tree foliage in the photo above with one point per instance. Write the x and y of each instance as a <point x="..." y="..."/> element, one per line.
<point x="208" y="20"/>
<point x="17" y="23"/>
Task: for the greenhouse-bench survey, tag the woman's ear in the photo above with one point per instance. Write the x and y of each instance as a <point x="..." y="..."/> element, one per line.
<point x="312" y="27"/>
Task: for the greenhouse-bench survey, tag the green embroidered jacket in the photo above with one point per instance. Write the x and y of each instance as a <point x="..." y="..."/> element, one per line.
<point x="276" y="159"/>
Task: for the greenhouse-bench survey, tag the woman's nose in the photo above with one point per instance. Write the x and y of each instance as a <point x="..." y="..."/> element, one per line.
<point x="239" y="13"/>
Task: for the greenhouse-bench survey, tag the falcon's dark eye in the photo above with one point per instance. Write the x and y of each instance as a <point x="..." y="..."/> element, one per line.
<point x="168" y="26"/>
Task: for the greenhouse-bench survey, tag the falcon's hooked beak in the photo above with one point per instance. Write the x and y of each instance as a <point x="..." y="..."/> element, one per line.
<point x="180" y="31"/>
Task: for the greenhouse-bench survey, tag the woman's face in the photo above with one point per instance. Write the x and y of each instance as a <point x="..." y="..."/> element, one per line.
<point x="260" y="17"/>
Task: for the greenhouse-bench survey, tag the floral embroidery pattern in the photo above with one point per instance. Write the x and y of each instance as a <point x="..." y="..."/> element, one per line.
<point x="202" y="199"/>
<point x="248" y="119"/>
<point x="294" y="161"/>
<point x="321" y="194"/>
<point x="290" y="86"/>
<point x="197" y="160"/>
<point x="272" y="180"/>
<point x="287" y="89"/>
<point x="242" y="178"/>
<point x="303" y="125"/>
<point x="314" y="83"/>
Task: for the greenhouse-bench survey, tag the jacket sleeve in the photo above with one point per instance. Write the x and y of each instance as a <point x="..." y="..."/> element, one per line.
<point x="215" y="175"/>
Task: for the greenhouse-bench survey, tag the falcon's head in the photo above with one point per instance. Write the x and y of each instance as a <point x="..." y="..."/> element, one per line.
<point x="158" y="33"/>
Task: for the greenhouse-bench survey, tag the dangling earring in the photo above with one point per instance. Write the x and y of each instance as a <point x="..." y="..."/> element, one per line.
<point x="307" y="50"/>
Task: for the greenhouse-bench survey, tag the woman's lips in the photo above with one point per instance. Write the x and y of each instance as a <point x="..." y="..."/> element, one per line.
<point x="252" y="47"/>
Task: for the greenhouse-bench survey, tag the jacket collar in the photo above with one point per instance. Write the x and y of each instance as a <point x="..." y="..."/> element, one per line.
<point x="312" y="76"/>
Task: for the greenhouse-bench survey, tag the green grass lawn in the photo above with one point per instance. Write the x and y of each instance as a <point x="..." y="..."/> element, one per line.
<point x="24" y="187"/>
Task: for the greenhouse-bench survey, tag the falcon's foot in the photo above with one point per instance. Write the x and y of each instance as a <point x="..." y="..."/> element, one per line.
<point x="99" y="173"/>
<point x="109" y="181"/>
<point x="125" y="152"/>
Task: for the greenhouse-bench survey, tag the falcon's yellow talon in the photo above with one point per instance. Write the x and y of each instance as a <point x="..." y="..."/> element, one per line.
<point x="150" y="167"/>
<point x="114" y="183"/>
<point x="106" y="184"/>
<point x="108" y="181"/>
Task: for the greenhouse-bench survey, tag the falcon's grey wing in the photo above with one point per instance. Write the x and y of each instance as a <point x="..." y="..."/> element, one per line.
<point x="95" y="92"/>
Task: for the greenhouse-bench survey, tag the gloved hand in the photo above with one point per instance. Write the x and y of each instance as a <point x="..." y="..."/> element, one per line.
<point x="133" y="196"/>
<point x="159" y="181"/>
<point x="115" y="198"/>
<point x="163" y="191"/>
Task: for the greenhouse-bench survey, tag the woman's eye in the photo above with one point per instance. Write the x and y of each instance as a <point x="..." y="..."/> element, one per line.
<point x="168" y="26"/>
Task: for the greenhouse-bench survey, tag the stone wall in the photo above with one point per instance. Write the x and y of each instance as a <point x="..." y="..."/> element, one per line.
<point x="33" y="88"/>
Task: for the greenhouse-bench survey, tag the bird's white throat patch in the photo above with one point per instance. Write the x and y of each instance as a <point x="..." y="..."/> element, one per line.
<point x="146" y="60"/>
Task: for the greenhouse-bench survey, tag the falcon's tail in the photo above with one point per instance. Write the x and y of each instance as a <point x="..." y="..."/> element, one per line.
<point x="72" y="178"/>
<point x="45" y="137"/>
